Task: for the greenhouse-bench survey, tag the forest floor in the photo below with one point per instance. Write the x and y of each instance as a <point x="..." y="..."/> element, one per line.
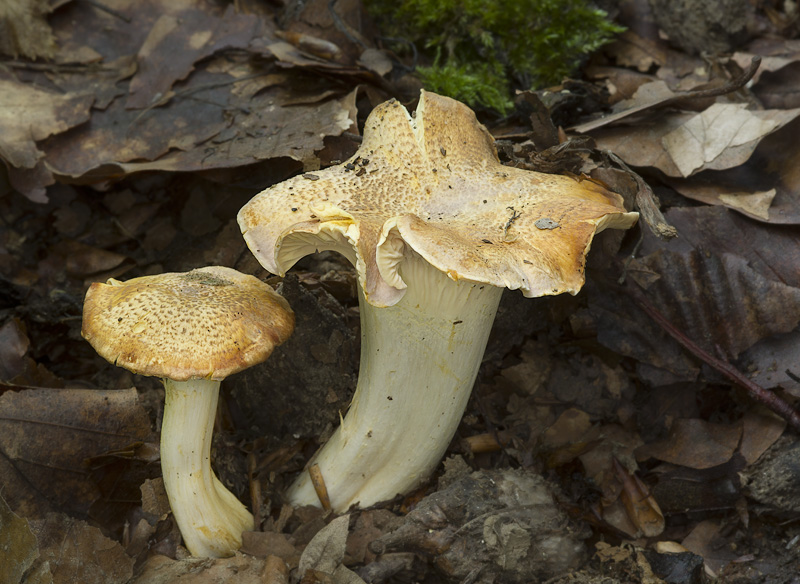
<point x="648" y="421"/>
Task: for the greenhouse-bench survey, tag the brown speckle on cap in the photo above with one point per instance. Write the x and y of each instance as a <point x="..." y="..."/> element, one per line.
<point x="207" y="323"/>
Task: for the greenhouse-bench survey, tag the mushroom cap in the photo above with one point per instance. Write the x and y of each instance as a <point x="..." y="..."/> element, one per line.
<point x="205" y="324"/>
<point x="433" y="184"/>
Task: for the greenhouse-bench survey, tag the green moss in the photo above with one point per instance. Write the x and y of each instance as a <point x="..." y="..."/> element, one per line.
<point x="481" y="50"/>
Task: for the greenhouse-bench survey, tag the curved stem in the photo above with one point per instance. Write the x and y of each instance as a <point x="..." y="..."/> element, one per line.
<point x="210" y="517"/>
<point x="419" y="360"/>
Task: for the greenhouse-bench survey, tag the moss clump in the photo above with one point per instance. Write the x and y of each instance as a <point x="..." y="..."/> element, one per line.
<point x="481" y="50"/>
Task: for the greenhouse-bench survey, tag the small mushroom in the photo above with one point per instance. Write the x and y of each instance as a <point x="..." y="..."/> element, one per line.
<point x="436" y="229"/>
<point x="192" y="330"/>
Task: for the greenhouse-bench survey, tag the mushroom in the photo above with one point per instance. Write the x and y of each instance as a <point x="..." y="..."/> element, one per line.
<point x="192" y="330"/>
<point x="436" y="228"/>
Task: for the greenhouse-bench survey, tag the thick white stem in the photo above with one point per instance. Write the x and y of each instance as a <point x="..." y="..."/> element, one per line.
<point x="419" y="360"/>
<point x="210" y="517"/>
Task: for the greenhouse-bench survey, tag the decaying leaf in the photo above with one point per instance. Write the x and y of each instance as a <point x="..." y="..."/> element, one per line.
<point x="683" y="144"/>
<point x="18" y="547"/>
<point x="240" y="569"/>
<point x="46" y="435"/>
<point x="29" y="114"/>
<point x="179" y="40"/>
<point x="71" y="550"/>
<point x="178" y="82"/>
<point x="707" y="541"/>
<point x="722" y="136"/>
<point x="24" y="30"/>
<point x="502" y="525"/>
<point x="325" y="552"/>
<point x="695" y="443"/>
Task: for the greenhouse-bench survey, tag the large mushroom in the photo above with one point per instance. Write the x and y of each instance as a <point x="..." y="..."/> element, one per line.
<point x="436" y="228"/>
<point x="192" y="330"/>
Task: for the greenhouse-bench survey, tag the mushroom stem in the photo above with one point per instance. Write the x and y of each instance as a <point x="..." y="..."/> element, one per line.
<point x="419" y="360"/>
<point x="211" y="519"/>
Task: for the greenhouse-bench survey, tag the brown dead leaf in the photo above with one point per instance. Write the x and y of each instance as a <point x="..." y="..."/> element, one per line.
<point x="780" y="89"/>
<point x="16" y="365"/>
<point x="265" y="543"/>
<point x="695" y="443"/>
<point x="773" y="253"/>
<point x="640" y="505"/>
<point x="623" y="328"/>
<point x="18" y="548"/>
<point x="706" y="541"/>
<point x="773" y="362"/>
<point x="682" y="144"/>
<point x="680" y="489"/>
<point x="726" y="283"/>
<point x="240" y="569"/>
<point x="325" y="552"/>
<point x="735" y="308"/>
<point x="277" y="119"/>
<point x="775" y="53"/>
<point x="760" y="430"/>
<point x="570" y="426"/>
<point x="180" y="39"/>
<point x="14" y="344"/>
<point x="47" y="435"/>
<point x="633" y="50"/>
<point x="713" y="191"/>
<point x="74" y="551"/>
<point x="167" y="139"/>
<point x="83" y="260"/>
<point x="29" y="114"/>
<point x="723" y="136"/>
<point x="24" y="30"/>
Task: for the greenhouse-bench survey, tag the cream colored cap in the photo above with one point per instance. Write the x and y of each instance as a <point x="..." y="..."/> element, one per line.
<point x="432" y="184"/>
<point x="205" y="324"/>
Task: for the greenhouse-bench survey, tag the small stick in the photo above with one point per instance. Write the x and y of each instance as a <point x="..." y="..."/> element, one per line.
<point x="319" y="486"/>
<point x="255" y="490"/>
<point x="482" y="443"/>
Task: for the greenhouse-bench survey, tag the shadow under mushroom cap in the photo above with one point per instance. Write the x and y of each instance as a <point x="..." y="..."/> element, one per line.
<point x="432" y="183"/>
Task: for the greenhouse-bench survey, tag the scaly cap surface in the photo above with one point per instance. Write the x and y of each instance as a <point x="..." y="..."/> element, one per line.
<point x="433" y="183"/>
<point x="205" y="324"/>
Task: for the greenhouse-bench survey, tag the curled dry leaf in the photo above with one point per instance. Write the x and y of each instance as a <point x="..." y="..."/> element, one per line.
<point x="640" y="505"/>
<point x="722" y="136"/>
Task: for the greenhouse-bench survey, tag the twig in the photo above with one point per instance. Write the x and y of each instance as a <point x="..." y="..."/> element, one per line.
<point x="731" y="86"/>
<point x="773" y="401"/>
<point x="646" y="202"/>
<point x="318" y="483"/>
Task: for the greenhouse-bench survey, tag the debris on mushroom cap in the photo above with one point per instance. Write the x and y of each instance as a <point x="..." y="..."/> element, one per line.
<point x="205" y="324"/>
<point x="433" y="183"/>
